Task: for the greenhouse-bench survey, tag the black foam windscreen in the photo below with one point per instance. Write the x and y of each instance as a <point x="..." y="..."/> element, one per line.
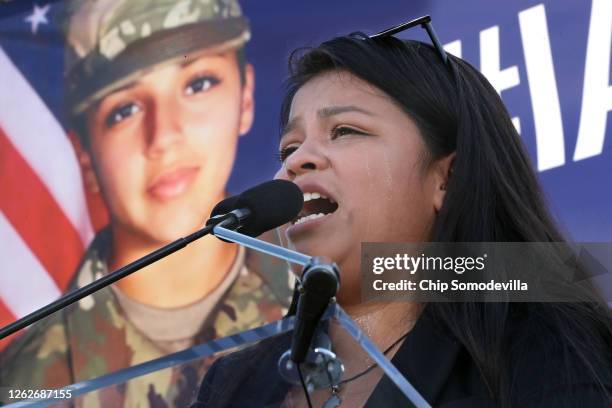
<point x="271" y="204"/>
<point x="225" y="206"/>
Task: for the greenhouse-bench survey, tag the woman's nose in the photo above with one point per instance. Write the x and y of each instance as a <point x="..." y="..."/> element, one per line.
<point x="307" y="157"/>
<point x="165" y="128"/>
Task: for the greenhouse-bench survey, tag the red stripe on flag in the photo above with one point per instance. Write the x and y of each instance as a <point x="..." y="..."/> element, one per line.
<point x="6" y="317"/>
<point x="34" y="213"/>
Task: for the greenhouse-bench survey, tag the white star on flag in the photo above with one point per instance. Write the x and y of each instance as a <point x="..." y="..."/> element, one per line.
<point x="38" y="16"/>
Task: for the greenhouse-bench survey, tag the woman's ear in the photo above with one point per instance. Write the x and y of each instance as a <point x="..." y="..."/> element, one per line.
<point x="90" y="181"/>
<point x="443" y="171"/>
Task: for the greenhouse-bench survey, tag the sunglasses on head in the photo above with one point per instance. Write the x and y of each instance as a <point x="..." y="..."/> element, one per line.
<point x="424" y="22"/>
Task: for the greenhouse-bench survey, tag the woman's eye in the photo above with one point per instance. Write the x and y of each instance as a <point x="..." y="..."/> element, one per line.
<point x="121" y="113"/>
<point x="345" y="130"/>
<point x="201" y="84"/>
<point x="285" y="152"/>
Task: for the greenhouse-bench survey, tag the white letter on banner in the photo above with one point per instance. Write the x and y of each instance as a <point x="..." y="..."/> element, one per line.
<point x="454" y="48"/>
<point x="597" y="92"/>
<point x="501" y="79"/>
<point x="542" y="88"/>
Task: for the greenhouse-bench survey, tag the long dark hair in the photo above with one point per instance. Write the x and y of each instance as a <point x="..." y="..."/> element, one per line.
<point x="492" y="195"/>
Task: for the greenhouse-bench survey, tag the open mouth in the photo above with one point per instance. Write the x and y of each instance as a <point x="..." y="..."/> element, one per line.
<point x="316" y="205"/>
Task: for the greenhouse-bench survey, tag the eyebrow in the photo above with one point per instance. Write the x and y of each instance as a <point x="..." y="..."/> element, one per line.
<point x="182" y="65"/>
<point x="336" y="110"/>
<point x="325" y="113"/>
<point x="188" y="61"/>
<point x="125" y="87"/>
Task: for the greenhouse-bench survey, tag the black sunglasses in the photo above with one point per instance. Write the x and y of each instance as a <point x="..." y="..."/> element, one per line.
<point x="424" y="22"/>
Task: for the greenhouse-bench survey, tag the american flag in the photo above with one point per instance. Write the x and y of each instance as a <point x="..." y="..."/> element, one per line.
<point x="46" y="218"/>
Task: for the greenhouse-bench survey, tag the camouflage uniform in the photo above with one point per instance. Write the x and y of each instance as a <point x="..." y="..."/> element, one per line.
<point x="93" y="337"/>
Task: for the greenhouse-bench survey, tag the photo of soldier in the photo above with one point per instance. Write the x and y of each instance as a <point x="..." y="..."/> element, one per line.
<point x="158" y="93"/>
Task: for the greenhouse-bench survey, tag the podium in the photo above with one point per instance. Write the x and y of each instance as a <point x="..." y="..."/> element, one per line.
<point x="253" y="369"/>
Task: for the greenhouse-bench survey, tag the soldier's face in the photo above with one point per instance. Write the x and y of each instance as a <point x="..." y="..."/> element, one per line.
<point x="163" y="147"/>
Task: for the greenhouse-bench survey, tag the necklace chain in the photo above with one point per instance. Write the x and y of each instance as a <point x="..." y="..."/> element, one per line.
<point x="336" y="387"/>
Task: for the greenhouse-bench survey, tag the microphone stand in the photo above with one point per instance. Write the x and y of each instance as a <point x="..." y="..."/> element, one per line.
<point x="261" y="246"/>
<point x="321" y="275"/>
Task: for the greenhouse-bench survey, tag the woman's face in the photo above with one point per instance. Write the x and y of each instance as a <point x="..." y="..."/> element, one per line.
<point x="348" y="141"/>
<point x="164" y="146"/>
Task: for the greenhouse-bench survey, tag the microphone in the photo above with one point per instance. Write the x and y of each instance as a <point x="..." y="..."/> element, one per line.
<point x="261" y="208"/>
<point x="320" y="282"/>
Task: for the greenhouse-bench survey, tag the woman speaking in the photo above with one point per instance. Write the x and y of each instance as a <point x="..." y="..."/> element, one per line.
<point x="396" y="141"/>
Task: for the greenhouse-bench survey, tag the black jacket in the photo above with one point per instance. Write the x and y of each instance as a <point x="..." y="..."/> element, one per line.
<point x="437" y="365"/>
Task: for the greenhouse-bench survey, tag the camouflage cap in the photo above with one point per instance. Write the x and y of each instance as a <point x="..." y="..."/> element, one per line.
<point x="111" y="41"/>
